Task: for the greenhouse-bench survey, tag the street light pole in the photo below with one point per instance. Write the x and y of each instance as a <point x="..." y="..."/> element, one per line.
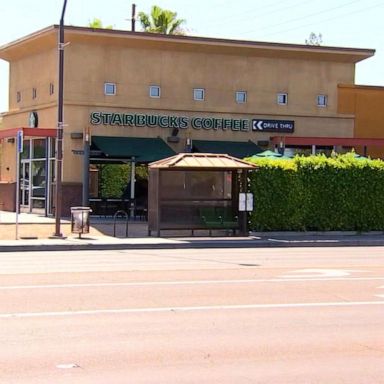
<point x="59" y="138"/>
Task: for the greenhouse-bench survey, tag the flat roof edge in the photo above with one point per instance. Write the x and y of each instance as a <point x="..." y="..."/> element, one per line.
<point x="30" y="36"/>
<point x="361" y="53"/>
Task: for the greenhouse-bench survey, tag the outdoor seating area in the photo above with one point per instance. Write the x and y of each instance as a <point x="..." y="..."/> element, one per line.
<point x="108" y="207"/>
<point x="219" y="218"/>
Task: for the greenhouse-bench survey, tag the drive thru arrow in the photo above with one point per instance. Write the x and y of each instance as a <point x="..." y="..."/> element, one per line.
<point x="258" y="125"/>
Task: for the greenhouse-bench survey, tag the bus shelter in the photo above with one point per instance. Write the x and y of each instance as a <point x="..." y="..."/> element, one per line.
<point x="197" y="191"/>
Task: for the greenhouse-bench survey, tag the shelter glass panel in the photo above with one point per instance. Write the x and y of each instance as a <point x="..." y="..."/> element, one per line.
<point x="187" y="197"/>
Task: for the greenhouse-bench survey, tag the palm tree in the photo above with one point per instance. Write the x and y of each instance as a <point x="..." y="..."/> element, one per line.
<point x="161" y="21"/>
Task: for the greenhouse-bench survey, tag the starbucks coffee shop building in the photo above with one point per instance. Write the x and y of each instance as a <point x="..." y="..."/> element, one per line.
<point x="134" y="98"/>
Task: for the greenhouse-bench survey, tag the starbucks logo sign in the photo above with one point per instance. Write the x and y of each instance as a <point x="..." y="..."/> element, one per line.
<point x="33" y="120"/>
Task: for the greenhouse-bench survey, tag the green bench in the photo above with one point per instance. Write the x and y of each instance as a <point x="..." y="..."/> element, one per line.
<point x="218" y="218"/>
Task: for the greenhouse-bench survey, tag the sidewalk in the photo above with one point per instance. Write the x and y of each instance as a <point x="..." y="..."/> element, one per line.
<point x="35" y="234"/>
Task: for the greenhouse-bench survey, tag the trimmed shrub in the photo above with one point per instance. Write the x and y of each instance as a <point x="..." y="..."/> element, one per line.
<point x="318" y="193"/>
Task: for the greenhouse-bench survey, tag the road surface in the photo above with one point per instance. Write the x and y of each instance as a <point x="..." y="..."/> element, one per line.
<point x="307" y="315"/>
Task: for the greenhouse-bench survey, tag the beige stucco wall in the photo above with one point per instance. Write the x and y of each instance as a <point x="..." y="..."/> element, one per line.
<point x="178" y="72"/>
<point x="8" y="168"/>
<point x="35" y="71"/>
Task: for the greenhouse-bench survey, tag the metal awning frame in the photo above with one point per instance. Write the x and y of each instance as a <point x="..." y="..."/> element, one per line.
<point x="28" y="132"/>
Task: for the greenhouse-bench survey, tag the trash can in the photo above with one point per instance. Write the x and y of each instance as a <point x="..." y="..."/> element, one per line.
<point x="80" y="220"/>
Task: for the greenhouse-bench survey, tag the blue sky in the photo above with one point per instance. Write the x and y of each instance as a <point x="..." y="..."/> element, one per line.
<point x="342" y="23"/>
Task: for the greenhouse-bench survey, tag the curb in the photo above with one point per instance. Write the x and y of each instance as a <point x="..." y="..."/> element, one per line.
<point x="195" y="244"/>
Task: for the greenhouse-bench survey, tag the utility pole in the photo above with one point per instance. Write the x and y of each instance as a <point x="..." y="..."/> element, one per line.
<point x="87" y="140"/>
<point x="60" y="123"/>
<point x="133" y="19"/>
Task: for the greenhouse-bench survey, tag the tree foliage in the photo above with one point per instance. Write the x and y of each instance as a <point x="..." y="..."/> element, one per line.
<point x="314" y="39"/>
<point x="97" y="23"/>
<point x="115" y="178"/>
<point x="161" y="21"/>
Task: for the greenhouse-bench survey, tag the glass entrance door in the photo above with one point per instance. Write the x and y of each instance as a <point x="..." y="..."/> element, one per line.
<point x="25" y="185"/>
<point x="37" y="175"/>
<point x="38" y="196"/>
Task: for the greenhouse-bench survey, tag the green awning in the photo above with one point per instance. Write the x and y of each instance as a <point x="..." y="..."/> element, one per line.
<point x="143" y="149"/>
<point x="239" y="149"/>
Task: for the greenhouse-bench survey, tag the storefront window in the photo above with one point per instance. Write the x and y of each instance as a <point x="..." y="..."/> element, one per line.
<point x="39" y="148"/>
<point x="26" y="149"/>
<point x="38" y="178"/>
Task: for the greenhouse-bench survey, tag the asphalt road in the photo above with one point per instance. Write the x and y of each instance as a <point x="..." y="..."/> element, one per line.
<point x="307" y="315"/>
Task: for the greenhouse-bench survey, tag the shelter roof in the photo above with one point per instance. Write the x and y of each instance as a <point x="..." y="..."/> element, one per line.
<point x="208" y="161"/>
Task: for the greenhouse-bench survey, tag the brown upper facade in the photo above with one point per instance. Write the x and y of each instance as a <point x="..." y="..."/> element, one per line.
<point x="366" y="104"/>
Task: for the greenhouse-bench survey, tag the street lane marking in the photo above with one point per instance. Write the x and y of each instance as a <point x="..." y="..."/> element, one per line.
<point x="183" y="282"/>
<point x="67" y="366"/>
<point x="325" y="273"/>
<point x="188" y="309"/>
<point x="381" y="295"/>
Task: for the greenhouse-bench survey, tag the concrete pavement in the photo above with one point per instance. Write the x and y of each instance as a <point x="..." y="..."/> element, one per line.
<point x="271" y="316"/>
<point x="35" y="234"/>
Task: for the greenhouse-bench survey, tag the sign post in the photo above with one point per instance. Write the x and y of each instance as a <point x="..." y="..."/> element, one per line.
<point x="19" y="146"/>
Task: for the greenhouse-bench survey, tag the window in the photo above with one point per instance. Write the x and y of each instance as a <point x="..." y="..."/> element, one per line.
<point x="154" y="91"/>
<point x="18" y="96"/>
<point x="51" y="89"/>
<point x="282" y="98"/>
<point x="241" y="97"/>
<point x="34" y="93"/>
<point x="322" y="100"/>
<point x="198" y="94"/>
<point x="110" y="89"/>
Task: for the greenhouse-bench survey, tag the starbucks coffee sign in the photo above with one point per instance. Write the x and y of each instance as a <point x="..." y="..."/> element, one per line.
<point x="168" y="121"/>
<point x="174" y="121"/>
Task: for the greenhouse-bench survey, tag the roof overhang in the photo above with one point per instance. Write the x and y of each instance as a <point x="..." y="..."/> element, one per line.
<point x="327" y="141"/>
<point x="28" y="132"/>
<point x="47" y="38"/>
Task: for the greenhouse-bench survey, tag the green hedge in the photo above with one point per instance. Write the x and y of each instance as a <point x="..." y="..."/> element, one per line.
<point x="318" y="193"/>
